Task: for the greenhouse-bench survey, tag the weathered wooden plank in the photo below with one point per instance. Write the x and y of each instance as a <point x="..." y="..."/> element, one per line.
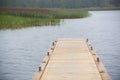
<point x="38" y="74"/>
<point x="100" y="66"/>
<point x="71" y="59"/>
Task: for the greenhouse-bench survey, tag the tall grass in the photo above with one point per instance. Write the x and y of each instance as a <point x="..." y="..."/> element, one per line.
<point x="70" y="13"/>
<point x="19" y="19"/>
<point x="13" y="22"/>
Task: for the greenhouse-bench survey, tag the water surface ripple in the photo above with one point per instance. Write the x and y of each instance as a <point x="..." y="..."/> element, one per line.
<point x="22" y="50"/>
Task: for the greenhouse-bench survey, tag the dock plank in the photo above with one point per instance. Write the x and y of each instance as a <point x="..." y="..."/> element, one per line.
<point x="71" y="59"/>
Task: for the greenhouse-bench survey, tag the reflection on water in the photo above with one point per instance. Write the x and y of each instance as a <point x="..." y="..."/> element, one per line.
<point x="22" y="50"/>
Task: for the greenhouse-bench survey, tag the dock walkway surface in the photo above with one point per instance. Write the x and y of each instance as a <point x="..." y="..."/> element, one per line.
<point x="71" y="59"/>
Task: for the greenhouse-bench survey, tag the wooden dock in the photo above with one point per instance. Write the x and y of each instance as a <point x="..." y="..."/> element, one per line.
<point x="71" y="59"/>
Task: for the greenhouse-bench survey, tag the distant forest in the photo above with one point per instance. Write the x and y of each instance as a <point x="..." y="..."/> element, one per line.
<point x="60" y="3"/>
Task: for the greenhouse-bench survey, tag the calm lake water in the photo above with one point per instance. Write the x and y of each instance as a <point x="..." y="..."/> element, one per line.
<point x="22" y="50"/>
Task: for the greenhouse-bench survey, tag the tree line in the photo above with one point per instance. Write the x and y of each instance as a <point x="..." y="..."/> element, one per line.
<point x="59" y="3"/>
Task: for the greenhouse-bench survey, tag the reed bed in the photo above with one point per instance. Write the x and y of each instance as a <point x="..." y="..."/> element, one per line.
<point x="17" y="18"/>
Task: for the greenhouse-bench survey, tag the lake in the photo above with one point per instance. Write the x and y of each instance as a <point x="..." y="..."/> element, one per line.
<point x="22" y="50"/>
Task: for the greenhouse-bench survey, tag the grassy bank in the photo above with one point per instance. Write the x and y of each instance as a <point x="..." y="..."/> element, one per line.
<point x="70" y="13"/>
<point x="18" y="17"/>
<point x="14" y="22"/>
